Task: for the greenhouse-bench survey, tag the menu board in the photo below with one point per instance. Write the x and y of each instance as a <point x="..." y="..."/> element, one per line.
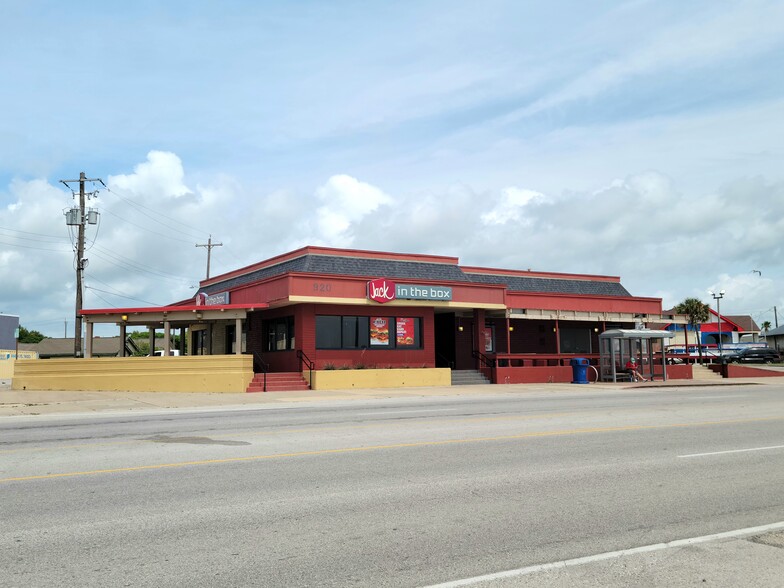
<point x="405" y="331"/>
<point x="379" y="331"/>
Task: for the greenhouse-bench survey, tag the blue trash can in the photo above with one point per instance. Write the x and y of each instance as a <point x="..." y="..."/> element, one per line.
<point x="579" y="369"/>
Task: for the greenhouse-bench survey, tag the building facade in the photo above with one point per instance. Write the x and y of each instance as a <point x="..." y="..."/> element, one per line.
<point x="346" y="309"/>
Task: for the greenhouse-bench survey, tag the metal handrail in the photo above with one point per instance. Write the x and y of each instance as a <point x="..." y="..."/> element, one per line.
<point x="489" y="362"/>
<point x="309" y="363"/>
<point x="450" y="364"/>
<point x="263" y="366"/>
<point x="561" y="358"/>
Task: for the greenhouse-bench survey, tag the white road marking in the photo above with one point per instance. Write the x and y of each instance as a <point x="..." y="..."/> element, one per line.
<point x="733" y="451"/>
<point x="403" y="411"/>
<point x="719" y="397"/>
<point x="610" y="555"/>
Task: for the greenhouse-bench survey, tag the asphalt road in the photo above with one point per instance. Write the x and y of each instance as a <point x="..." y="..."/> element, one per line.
<point x="408" y="492"/>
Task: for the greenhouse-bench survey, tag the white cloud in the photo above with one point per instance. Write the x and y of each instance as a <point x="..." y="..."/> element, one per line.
<point x="744" y="290"/>
<point x="661" y="240"/>
<point x="511" y="207"/>
<point x="161" y="174"/>
<point x="345" y="200"/>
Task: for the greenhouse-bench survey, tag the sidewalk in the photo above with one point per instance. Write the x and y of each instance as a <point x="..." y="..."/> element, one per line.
<point x="750" y="557"/>
<point x="41" y="402"/>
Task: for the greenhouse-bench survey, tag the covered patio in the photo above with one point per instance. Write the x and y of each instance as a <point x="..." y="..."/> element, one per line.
<point x="199" y="327"/>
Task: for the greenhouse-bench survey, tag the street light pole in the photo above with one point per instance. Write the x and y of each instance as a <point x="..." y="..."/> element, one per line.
<point x="717" y="298"/>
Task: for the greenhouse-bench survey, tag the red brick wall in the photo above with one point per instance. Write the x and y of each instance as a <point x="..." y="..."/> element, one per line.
<point x="678" y="372"/>
<point x="744" y="371"/>
<point x="534" y="375"/>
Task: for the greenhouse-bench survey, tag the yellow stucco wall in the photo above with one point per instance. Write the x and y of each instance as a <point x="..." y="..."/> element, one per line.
<point x="403" y="378"/>
<point x="6" y="368"/>
<point x="8" y="359"/>
<point x="199" y="373"/>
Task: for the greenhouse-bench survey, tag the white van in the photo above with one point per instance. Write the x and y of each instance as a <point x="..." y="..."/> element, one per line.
<point x="159" y="352"/>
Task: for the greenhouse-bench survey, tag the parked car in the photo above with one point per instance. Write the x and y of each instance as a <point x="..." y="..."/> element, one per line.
<point x="753" y="355"/>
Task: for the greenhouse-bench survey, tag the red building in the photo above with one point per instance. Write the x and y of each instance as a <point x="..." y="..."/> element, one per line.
<point x="349" y="308"/>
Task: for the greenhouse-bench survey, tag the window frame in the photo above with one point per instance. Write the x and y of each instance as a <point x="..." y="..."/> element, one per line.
<point x="363" y="333"/>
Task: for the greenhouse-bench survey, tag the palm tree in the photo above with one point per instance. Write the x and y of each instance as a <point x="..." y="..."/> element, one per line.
<point x="698" y="312"/>
<point x="765" y="328"/>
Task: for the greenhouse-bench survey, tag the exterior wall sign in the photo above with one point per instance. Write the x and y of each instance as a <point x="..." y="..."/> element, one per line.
<point x="383" y="290"/>
<point x="215" y="299"/>
<point x="11" y="354"/>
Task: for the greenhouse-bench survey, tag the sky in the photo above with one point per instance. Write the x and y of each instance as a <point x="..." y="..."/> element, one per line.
<point x="639" y="139"/>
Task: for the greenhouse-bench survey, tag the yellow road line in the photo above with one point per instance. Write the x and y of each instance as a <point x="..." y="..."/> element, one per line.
<point x="312" y="429"/>
<point x="391" y="446"/>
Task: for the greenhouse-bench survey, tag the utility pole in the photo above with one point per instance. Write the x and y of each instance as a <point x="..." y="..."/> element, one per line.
<point x="77" y="217"/>
<point x="209" y="245"/>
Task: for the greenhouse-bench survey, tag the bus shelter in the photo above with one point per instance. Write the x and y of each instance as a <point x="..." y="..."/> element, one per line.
<point x="618" y="346"/>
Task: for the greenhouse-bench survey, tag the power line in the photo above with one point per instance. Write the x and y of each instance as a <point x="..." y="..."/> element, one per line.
<point x="92" y="278"/>
<point x="143" y="228"/>
<point x="138" y="206"/>
<point x="128" y="263"/>
<point x="104" y="299"/>
<point x="35" y="248"/>
<point x="116" y="291"/>
<point x="57" y="238"/>
<point x="122" y="296"/>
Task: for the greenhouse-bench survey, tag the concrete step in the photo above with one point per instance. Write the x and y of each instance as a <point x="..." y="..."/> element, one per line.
<point x="278" y="382"/>
<point x="468" y="378"/>
<point x="701" y="372"/>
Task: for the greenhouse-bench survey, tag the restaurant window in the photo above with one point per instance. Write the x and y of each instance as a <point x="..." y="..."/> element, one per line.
<point x="280" y="334"/>
<point x="362" y="332"/>
<point x="328" y="332"/>
<point x="575" y="340"/>
<point x="354" y="332"/>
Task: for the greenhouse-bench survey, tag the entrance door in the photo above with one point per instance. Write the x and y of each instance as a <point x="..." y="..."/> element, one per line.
<point x="445" y="339"/>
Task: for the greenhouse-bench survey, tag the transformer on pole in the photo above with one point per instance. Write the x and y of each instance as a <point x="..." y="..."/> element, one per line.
<point x="79" y="217"/>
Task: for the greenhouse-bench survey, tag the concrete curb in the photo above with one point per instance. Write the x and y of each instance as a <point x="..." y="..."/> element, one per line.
<point x="39" y="402"/>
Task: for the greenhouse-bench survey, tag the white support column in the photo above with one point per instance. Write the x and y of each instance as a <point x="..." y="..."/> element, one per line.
<point x="166" y="338"/>
<point x="88" y="344"/>
<point x="238" y="337"/>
